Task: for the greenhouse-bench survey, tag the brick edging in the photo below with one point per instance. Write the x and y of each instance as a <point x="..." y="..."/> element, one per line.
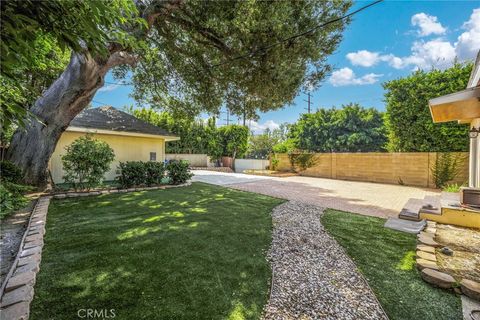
<point x="17" y="290"/>
<point x="426" y="262"/>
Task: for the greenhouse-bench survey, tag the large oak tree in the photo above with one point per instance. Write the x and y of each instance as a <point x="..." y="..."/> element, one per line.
<point x="187" y="55"/>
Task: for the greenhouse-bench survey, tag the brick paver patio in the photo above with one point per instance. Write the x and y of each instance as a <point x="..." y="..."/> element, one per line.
<point x="373" y="199"/>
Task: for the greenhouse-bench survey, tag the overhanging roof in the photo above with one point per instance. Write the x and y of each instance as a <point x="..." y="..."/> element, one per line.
<point x="459" y="106"/>
<point x="109" y="120"/>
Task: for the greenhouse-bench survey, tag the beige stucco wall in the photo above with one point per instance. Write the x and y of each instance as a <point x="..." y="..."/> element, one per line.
<point x="126" y="148"/>
<point x="409" y="168"/>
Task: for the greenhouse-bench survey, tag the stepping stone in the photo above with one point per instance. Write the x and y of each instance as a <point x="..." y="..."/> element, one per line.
<point x="426" y="264"/>
<point x="432" y="224"/>
<point x="22" y="294"/>
<point x="431" y="230"/>
<point x="470" y="288"/>
<point x="427" y="241"/>
<point x="18" y="311"/>
<point x="438" y="278"/>
<point x="426" y="256"/>
<point x="427" y="234"/>
<point x="405" y="225"/>
<point x="425" y="248"/>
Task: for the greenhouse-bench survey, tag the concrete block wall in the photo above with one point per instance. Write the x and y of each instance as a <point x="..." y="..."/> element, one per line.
<point x="409" y="168"/>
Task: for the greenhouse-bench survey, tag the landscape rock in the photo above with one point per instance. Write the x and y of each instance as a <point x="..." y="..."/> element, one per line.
<point x="22" y="279"/>
<point x="427" y="241"/>
<point x="18" y="311"/>
<point x="447" y="251"/>
<point x="438" y="278"/>
<point x="425" y="248"/>
<point x="470" y="288"/>
<point x="426" y="264"/>
<point x="427" y="234"/>
<point x="21" y="294"/>
<point x="426" y="256"/>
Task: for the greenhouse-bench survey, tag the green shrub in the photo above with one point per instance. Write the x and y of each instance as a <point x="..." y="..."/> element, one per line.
<point x="12" y="197"/>
<point x="178" y="171"/>
<point x="445" y="169"/>
<point x="274" y="161"/>
<point x="454" y="187"/>
<point x="10" y="172"/>
<point x="302" y="160"/>
<point x="86" y="161"/>
<point x="140" y="173"/>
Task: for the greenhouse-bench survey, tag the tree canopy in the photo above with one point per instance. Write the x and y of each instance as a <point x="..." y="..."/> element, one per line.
<point x="409" y="123"/>
<point x="351" y="128"/>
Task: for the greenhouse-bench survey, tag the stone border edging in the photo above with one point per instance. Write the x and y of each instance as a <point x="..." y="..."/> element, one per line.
<point x="17" y="290"/>
<point x="426" y="262"/>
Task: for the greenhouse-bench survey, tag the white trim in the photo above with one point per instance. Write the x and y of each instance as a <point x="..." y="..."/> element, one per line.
<point x="470" y="93"/>
<point x="122" y="133"/>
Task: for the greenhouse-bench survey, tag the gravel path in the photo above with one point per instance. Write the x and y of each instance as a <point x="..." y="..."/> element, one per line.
<point x="312" y="276"/>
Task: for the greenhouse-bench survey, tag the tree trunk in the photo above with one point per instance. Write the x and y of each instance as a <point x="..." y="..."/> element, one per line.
<point x="32" y="147"/>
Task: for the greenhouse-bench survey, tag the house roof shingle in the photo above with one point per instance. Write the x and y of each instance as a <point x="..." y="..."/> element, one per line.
<point x="109" y="118"/>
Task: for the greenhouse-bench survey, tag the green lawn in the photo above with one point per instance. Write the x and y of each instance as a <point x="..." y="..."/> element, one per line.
<point x="183" y="253"/>
<point x="386" y="258"/>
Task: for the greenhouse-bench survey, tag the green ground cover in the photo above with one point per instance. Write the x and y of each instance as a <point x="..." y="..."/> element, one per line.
<point x="386" y="258"/>
<point x="183" y="253"/>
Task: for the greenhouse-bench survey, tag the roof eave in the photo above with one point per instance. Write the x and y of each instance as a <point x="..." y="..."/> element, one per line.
<point x="459" y="106"/>
<point x="122" y="133"/>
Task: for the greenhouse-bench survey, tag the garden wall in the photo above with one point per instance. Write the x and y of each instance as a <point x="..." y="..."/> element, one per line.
<point x="250" y="164"/>
<point x="409" y="168"/>
<point x="195" y="160"/>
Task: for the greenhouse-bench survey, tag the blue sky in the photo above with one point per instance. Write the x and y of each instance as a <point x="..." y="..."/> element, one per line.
<point x="382" y="43"/>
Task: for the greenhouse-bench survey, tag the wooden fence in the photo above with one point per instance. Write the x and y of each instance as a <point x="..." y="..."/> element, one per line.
<point x="412" y="168"/>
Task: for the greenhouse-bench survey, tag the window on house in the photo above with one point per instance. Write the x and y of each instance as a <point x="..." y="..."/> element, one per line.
<point x="153" y="156"/>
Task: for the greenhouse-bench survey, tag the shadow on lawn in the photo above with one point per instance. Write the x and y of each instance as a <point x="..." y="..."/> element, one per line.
<point x="193" y="252"/>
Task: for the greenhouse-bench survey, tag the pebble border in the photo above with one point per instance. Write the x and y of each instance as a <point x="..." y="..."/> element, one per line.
<point x="426" y="262"/>
<point x="17" y="290"/>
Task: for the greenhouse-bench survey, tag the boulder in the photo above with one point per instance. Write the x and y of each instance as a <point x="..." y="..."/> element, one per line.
<point x="438" y="278"/>
<point x="470" y="288"/>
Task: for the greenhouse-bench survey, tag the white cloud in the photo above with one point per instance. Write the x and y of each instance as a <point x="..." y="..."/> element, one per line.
<point x="435" y="53"/>
<point x="109" y="87"/>
<point x="363" y="58"/>
<point x="346" y="76"/>
<point x="468" y="43"/>
<point x="428" y="24"/>
<point x="258" y="128"/>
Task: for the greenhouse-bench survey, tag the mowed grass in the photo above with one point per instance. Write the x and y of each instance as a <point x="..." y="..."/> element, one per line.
<point x="387" y="259"/>
<point x="194" y="252"/>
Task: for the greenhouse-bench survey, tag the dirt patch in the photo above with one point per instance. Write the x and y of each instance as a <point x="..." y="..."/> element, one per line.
<point x="465" y="243"/>
<point x="11" y="233"/>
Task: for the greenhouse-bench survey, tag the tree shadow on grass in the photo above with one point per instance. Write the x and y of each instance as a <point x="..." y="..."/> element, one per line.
<point x="185" y="253"/>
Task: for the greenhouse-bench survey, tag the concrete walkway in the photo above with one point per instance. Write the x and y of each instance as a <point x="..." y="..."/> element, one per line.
<point x="374" y="199"/>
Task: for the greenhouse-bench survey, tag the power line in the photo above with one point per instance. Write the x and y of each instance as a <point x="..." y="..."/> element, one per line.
<point x="119" y="83"/>
<point x="298" y="35"/>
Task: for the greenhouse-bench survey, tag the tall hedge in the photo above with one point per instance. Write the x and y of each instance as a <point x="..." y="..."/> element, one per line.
<point x="408" y="118"/>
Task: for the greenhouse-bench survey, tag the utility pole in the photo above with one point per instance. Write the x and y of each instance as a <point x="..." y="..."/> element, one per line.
<point x="308" y="109"/>
<point x="228" y="117"/>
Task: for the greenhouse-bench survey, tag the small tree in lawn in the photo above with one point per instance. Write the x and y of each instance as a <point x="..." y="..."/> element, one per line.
<point x="234" y="140"/>
<point x="86" y="161"/>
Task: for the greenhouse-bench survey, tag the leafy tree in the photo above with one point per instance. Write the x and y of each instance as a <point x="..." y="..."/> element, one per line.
<point x="85" y="162"/>
<point x="234" y="139"/>
<point x="195" y="134"/>
<point x="262" y="145"/>
<point x="408" y="119"/>
<point x="349" y="129"/>
<point x="191" y="56"/>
